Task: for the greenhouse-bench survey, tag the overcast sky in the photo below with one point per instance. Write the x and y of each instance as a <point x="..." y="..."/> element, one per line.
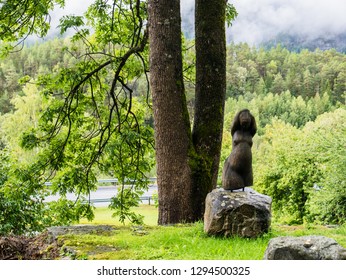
<point x="260" y="20"/>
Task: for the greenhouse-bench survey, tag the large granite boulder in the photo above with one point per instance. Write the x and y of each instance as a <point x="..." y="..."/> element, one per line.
<point x="238" y="213"/>
<point x="304" y="248"/>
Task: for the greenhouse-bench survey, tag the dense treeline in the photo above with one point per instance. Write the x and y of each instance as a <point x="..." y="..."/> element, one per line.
<point x="298" y="100"/>
<point x="250" y="70"/>
<point x="303" y="170"/>
<point x="298" y="43"/>
<point x="303" y="74"/>
<point x="299" y="152"/>
<point x="30" y="61"/>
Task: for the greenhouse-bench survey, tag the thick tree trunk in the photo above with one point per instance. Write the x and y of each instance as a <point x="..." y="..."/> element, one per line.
<point x="187" y="167"/>
<point x="210" y="94"/>
<point x="172" y="128"/>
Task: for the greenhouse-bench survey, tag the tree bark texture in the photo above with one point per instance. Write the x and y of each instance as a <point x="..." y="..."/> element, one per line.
<point x="210" y="94"/>
<point x="187" y="164"/>
<point x="172" y="128"/>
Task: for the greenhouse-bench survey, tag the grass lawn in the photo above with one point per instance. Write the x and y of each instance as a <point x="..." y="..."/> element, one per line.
<point x="179" y="242"/>
<point x="103" y="216"/>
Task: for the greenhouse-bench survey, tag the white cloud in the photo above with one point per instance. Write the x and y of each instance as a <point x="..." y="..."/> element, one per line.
<point x="188" y="15"/>
<point x="260" y="20"/>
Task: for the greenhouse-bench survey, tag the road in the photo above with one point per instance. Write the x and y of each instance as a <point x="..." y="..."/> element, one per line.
<point x="101" y="197"/>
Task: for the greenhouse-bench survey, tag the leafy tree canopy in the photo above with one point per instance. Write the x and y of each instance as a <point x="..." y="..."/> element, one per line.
<point x="91" y="122"/>
<point x="19" y="19"/>
<point x="303" y="169"/>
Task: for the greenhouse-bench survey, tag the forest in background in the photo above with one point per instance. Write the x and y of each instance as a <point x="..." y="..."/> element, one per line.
<point x="298" y="100"/>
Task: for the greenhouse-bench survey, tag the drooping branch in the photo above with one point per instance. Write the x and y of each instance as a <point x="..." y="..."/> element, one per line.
<point x="92" y="121"/>
<point x="20" y="19"/>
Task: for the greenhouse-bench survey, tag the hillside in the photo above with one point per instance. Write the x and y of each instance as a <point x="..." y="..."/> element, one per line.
<point x="297" y="43"/>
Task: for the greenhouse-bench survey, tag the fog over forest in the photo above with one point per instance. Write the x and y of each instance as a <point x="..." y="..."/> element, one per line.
<point x="258" y="20"/>
<point x="262" y="20"/>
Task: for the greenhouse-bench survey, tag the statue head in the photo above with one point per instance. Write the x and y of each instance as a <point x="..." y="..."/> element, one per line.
<point x="244" y="121"/>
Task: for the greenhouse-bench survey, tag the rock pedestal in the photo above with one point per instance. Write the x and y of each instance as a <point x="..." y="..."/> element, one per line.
<point x="304" y="248"/>
<point x="238" y="213"/>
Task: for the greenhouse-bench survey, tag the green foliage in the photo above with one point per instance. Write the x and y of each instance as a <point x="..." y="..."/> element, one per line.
<point x="277" y="70"/>
<point x="293" y="110"/>
<point x="327" y="138"/>
<point x="22" y="210"/>
<point x="286" y="172"/>
<point x="93" y="122"/>
<point x="18" y="20"/>
<point x="303" y="169"/>
<point x="20" y="205"/>
<point x="231" y="13"/>
<point x="27" y="107"/>
<point x="69" y="21"/>
<point x="90" y="122"/>
<point x="134" y="153"/>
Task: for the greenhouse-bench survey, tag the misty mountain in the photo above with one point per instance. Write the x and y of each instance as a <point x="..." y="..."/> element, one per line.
<point x="292" y="42"/>
<point x="295" y="24"/>
<point x="297" y="43"/>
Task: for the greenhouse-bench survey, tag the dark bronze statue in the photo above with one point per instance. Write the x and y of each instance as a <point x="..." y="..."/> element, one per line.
<point x="237" y="170"/>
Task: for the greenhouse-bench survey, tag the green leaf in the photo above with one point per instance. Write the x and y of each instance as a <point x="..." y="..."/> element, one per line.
<point x="70" y="21"/>
<point x="231" y="13"/>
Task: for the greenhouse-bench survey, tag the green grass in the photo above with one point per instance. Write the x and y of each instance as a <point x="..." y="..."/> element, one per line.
<point x="338" y="233"/>
<point x="168" y="243"/>
<point x="180" y="242"/>
<point x="103" y="215"/>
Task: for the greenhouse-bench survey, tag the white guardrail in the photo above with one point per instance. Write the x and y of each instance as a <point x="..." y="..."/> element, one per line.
<point x="111" y="181"/>
<point x="105" y="193"/>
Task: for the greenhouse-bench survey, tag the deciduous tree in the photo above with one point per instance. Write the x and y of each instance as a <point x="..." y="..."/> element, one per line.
<point x="187" y="160"/>
<point x="98" y="86"/>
